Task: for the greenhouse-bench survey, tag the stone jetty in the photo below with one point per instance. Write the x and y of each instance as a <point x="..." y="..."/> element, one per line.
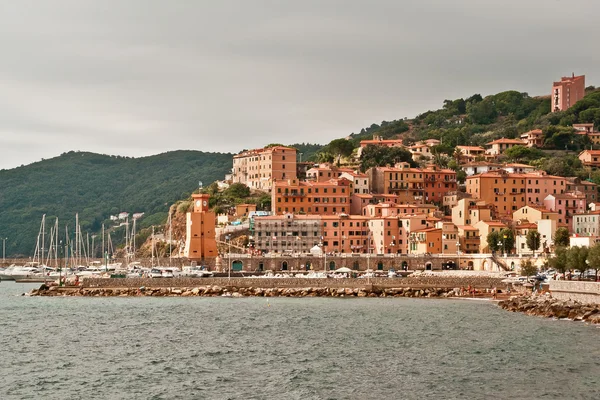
<point x="546" y="306"/>
<point x="233" y="291"/>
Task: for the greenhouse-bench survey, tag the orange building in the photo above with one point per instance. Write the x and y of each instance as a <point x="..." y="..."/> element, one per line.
<point x="244" y="210"/>
<point x="534" y="138"/>
<point x="259" y="168"/>
<point x="470" y="153"/>
<point x="200" y="240"/>
<point x="499" y="146"/>
<point x="505" y="191"/>
<point x="413" y="184"/>
<point x="438" y="182"/>
<point x="325" y="172"/>
<point x="379" y="141"/>
<point x="325" y="198"/>
<point x="590" y="158"/>
<point x="567" y="91"/>
<point x="539" y="185"/>
<point x="345" y="233"/>
<point x="427" y="240"/>
<point x="588" y="188"/>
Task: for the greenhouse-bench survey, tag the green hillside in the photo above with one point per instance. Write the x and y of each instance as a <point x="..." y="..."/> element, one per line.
<point x="97" y="186"/>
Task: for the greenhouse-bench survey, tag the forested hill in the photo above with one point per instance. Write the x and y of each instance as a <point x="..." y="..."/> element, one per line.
<point x="97" y="186"/>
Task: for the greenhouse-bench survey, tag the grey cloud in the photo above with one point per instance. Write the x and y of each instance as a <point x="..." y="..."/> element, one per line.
<point x="139" y="77"/>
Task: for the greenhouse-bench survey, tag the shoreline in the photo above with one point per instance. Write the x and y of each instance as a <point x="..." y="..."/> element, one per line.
<point x="547" y="307"/>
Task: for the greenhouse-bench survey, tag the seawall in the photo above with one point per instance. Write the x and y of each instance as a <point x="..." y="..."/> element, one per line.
<point x="581" y="291"/>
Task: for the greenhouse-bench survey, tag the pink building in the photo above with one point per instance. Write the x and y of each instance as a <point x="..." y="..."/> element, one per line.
<point x="566" y="205"/>
<point x="539" y="185"/>
<point x="566" y="92"/>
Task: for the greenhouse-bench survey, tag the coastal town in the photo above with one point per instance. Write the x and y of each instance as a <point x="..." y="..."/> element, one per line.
<point x="413" y="214"/>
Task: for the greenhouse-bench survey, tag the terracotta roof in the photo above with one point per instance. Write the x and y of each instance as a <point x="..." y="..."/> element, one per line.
<point x="506" y="141"/>
<point x="467" y="227"/>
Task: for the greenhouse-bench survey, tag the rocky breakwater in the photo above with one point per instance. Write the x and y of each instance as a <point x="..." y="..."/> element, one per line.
<point x="233" y="291"/>
<point x="546" y="306"/>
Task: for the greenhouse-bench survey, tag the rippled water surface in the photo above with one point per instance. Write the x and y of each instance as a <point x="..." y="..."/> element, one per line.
<point x="311" y="348"/>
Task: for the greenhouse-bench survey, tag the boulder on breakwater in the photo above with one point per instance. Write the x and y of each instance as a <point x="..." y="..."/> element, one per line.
<point x="234" y="291"/>
<point x="546" y="306"/>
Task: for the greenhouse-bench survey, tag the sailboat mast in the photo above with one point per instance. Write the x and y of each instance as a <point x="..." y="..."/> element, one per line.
<point x="153" y="246"/>
<point x="127" y="241"/>
<point x="43" y="238"/>
<point x="103" y="256"/>
<point x="170" y="239"/>
<point x="76" y="238"/>
<point x="133" y="237"/>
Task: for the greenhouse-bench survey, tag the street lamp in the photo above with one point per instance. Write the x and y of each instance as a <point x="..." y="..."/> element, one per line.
<point x="501" y="244"/>
<point x="458" y="252"/>
<point x="228" y="240"/>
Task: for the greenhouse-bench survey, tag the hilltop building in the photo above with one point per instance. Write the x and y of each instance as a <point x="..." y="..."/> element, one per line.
<point x="567" y="91"/>
<point x="259" y="168"/>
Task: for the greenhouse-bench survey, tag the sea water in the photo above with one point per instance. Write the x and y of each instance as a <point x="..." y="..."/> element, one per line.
<point x="287" y="348"/>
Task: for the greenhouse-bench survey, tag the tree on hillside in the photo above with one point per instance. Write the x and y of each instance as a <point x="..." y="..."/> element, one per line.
<point x="521" y="153"/>
<point x="533" y="240"/>
<point x="493" y="241"/>
<point x="528" y="268"/>
<point x="340" y="148"/>
<point x="379" y="156"/>
<point x="482" y="112"/>
<point x="561" y="237"/>
<point x="237" y="191"/>
<point x="593" y="259"/>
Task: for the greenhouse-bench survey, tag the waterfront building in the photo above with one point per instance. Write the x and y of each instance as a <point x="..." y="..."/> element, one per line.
<point x="567" y="92"/>
<point x="428" y="240"/>
<point x="287" y="233"/>
<point x="260" y="168"/>
<point x="449" y="236"/>
<point x="345" y="234"/>
<point x="392" y="209"/>
<point x="469" y="239"/>
<point x="200" y="240"/>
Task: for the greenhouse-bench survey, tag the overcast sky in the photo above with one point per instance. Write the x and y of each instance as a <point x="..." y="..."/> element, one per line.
<point x="141" y="77"/>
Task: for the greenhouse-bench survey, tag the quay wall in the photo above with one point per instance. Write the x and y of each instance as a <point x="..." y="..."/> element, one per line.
<point x="417" y="282"/>
<point x="583" y="292"/>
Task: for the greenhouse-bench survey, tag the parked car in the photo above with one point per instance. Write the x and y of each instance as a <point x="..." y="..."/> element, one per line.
<point x="155" y="273"/>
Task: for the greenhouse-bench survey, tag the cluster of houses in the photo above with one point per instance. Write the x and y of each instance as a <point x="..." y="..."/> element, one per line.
<point x="404" y="210"/>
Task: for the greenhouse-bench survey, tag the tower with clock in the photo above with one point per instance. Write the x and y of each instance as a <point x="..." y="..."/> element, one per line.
<point x="200" y="242"/>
